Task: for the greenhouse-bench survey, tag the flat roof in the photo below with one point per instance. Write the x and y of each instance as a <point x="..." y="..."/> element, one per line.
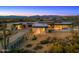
<point x="40" y="25"/>
<point x="64" y="23"/>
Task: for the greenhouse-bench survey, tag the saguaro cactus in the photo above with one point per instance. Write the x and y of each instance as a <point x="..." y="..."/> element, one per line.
<point x="5" y="40"/>
<point x="4" y="36"/>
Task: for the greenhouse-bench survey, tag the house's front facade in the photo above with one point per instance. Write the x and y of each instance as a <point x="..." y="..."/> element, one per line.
<point x="39" y="28"/>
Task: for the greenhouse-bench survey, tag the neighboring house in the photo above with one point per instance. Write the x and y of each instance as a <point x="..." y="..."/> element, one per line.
<point x="38" y="28"/>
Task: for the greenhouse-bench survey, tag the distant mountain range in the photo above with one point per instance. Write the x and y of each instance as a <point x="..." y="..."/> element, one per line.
<point x="44" y="16"/>
<point x="13" y="16"/>
<point x="36" y="16"/>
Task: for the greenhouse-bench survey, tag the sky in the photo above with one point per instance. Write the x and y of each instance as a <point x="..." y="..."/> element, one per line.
<point x="39" y="10"/>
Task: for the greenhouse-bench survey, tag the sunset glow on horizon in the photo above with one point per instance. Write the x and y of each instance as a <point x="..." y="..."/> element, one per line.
<point x="39" y="10"/>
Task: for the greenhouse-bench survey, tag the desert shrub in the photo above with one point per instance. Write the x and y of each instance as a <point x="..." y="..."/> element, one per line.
<point x="49" y="31"/>
<point x="21" y="51"/>
<point x="34" y="37"/>
<point x="46" y="41"/>
<point x="45" y="51"/>
<point x="53" y="40"/>
<point x="38" y="47"/>
<point x="29" y="45"/>
<point x="1" y="38"/>
<point x="56" y="49"/>
<point x="66" y="45"/>
<point x="76" y="48"/>
<point x="28" y="51"/>
<point x="69" y="49"/>
<point x="30" y="30"/>
<point x="25" y="37"/>
<point x="16" y="50"/>
<point x="75" y="38"/>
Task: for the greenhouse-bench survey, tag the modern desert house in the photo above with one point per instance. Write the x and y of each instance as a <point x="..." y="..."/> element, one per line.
<point x="38" y="28"/>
